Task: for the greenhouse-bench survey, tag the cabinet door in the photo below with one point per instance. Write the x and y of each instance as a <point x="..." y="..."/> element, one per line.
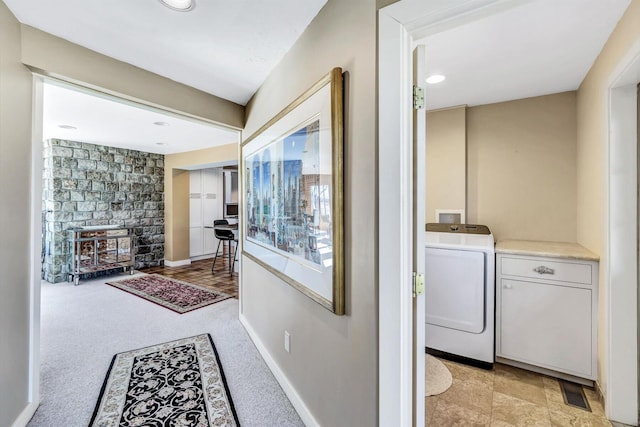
<point x="195" y="241"/>
<point x="210" y="179"/>
<point x="195" y="181"/>
<point x="195" y="210"/>
<point x="545" y="325"/>
<point x="210" y="242"/>
<point x="210" y="210"/>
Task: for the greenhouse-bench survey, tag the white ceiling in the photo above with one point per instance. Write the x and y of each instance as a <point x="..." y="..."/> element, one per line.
<point x="535" y="48"/>
<point x="226" y="48"/>
<point x="518" y="49"/>
<point x="100" y="119"/>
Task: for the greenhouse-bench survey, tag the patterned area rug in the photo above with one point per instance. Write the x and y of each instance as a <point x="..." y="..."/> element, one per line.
<point x="175" y="295"/>
<point x="178" y="383"/>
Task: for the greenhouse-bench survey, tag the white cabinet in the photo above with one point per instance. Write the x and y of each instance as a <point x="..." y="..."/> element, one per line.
<point x="546" y="313"/>
<point x="205" y="205"/>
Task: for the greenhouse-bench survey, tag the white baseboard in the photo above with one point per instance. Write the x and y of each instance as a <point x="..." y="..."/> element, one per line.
<point x="201" y="257"/>
<point x="177" y="263"/>
<point x="289" y="390"/>
<point x="26" y="415"/>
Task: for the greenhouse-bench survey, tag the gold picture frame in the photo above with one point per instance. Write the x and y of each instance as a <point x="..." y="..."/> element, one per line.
<point x="292" y="194"/>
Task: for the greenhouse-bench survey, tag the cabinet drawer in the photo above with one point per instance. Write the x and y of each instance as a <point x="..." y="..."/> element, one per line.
<point x="545" y="268"/>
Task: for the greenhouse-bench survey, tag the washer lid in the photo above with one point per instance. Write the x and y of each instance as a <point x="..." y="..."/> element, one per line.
<point x="458" y="228"/>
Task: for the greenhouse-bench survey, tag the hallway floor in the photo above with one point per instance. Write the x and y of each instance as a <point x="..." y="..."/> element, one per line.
<point x="199" y="273"/>
<point x="507" y="396"/>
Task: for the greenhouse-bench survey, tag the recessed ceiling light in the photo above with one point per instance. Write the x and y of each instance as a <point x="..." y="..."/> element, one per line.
<point x="161" y="123"/>
<point x="69" y="127"/>
<point x="435" y="78"/>
<point x="161" y="143"/>
<point x="179" y="5"/>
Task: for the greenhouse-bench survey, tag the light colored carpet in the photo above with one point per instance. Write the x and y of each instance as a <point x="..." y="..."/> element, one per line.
<point x="438" y="377"/>
<point x="83" y="326"/>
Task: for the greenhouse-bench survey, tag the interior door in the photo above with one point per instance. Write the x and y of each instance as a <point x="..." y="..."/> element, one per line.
<point x="419" y="195"/>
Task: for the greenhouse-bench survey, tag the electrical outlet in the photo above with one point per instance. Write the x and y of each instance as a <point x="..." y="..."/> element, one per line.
<point x="287" y="342"/>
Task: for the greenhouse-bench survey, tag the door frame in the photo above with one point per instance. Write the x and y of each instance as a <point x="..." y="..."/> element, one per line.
<point x="395" y="224"/>
<point x="621" y="242"/>
<point x="35" y="251"/>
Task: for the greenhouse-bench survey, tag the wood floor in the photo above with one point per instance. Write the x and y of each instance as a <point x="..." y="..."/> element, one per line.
<point x="199" y="273"/>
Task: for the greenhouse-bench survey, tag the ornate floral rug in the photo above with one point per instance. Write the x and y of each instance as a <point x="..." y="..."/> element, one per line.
<point x="178" y="383"/>
<point x="175" y="295"/>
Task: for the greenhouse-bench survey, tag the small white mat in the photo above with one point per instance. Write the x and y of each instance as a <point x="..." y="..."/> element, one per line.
<point x="438" y="377"/>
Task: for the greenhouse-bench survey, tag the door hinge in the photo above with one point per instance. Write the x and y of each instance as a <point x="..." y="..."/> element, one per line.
<point x="418" y="284"/>
<point x="418" y="98"/>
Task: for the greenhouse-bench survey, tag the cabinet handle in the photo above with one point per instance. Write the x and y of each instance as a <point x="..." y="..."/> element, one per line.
<point x="508" y="286"/>
<point x="544" y="270"/>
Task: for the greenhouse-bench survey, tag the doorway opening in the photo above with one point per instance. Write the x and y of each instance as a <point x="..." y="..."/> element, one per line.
<point x="398" y="24"/>
<point x="108" y="160"/>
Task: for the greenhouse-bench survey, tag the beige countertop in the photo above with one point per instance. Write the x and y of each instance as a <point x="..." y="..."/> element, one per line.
<point x="547" y="249"/>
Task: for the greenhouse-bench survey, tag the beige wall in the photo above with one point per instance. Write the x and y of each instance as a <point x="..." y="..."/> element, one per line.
<point x="176" y="194"/>
<point x="521" y="175"/>
<point x="333" y="359"/>
<point x="59" y="58"/>
<point x="446" y="152"/>
<point x="593" y="125"/>
<point x="15" y="179"/>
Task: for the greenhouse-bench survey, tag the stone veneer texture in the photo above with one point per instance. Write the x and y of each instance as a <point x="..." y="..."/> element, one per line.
<point x="88" y="185"/>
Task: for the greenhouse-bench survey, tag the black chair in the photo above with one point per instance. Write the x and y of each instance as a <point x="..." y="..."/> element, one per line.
<point x="222" y="236"/>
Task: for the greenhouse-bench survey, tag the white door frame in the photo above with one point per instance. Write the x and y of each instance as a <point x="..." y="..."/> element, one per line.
<point x="35" y="250"/>
<point x="395" y="225"/>
<point x="621" y="240"/>
<point x="419" y="139"/>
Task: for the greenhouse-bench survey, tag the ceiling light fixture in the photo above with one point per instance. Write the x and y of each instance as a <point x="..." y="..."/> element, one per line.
<point x="161" y="123"/>
<point x="68" y="127"/>
<point x="435" y="78"/>
<point x="179" y="5"/>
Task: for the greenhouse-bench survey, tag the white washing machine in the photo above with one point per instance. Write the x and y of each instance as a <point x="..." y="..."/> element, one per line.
<point x="459" y="291"/>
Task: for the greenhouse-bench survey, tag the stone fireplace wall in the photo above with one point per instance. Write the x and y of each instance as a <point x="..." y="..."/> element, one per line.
<point x="87" y="184"/>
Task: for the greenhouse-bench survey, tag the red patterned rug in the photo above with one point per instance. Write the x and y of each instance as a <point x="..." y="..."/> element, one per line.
<point x="175" y="295"/>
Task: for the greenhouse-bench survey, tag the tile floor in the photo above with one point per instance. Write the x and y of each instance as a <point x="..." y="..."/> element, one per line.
<point x="507" y="396"/>
<point x="199" y="273"/>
